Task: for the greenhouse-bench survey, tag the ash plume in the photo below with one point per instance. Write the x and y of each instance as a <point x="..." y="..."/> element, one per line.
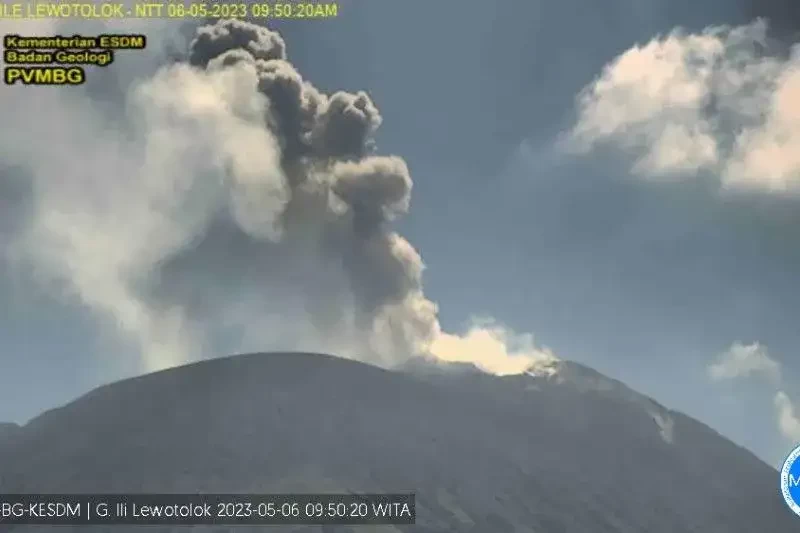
<point x="334" y="185"/>
<point x="239" y="208"/>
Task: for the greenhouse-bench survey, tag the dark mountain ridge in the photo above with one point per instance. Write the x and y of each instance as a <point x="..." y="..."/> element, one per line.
<point x="561" y="450"/>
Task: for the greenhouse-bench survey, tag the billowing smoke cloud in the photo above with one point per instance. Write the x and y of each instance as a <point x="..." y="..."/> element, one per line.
<point x="753" y="361"/>
<point x="238" y="208"/>
<point x="492" y="348"/>
<point x="714" y="102"/>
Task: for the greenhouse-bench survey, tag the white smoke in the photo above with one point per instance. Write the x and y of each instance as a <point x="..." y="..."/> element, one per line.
<point x="492" y="348"/>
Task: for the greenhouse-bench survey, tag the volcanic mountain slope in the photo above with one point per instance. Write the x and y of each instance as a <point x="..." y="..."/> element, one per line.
<point x="561" y="451"/>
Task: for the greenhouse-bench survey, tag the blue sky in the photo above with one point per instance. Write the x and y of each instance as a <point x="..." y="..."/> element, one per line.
<point x="647" y="279"/>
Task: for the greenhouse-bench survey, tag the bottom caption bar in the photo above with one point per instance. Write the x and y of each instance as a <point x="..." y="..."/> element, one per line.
<point x="206" y="509"/>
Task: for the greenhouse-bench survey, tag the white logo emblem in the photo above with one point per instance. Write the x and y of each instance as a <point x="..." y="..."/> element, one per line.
<point x="790" y="481"/>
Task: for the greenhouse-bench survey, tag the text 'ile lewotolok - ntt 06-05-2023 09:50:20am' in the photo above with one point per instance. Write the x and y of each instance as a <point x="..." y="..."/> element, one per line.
<point x="170" y="10"/>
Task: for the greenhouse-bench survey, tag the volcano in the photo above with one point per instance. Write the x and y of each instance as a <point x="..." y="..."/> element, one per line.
<point x="557" y="450"/>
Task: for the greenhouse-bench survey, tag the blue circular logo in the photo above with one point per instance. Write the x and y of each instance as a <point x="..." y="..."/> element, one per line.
<point x="790" y="481"/>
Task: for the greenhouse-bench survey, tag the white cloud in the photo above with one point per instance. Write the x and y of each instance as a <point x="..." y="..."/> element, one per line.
<point x="746" y="361"/>
<point x="685" y="104"/>
<point x="788" y="422"/>
<point x="741" y="361"/>
<point x="768" y="156"/>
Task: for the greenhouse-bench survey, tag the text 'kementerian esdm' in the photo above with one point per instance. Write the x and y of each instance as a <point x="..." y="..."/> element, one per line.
<point x="62" y="61"/>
